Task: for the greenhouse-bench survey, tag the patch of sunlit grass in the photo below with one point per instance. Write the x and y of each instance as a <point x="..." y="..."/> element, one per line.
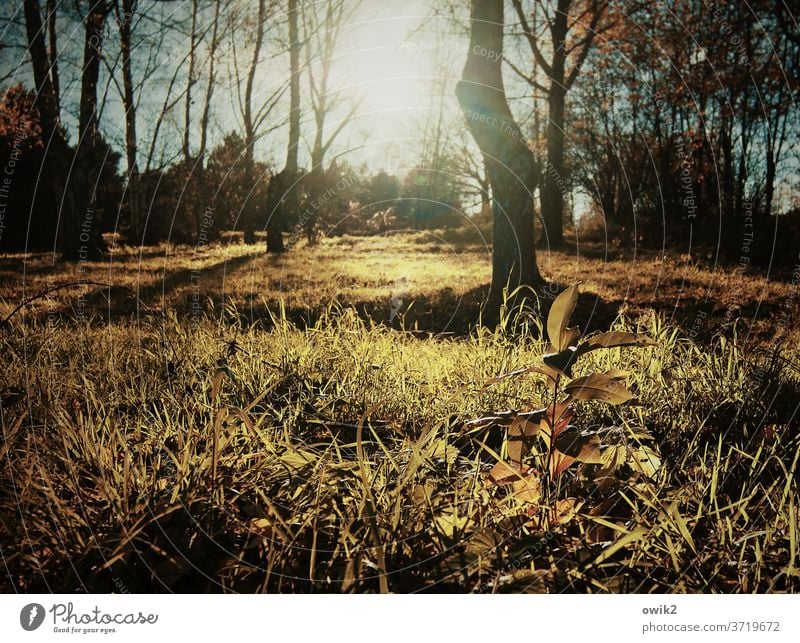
<point x="222" y="457"/>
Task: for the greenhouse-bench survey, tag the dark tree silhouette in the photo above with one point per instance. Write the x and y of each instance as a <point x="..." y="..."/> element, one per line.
<point x="509" y="161"/>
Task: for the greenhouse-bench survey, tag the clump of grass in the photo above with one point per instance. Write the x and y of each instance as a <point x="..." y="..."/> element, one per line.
<point x="166" y="456"/>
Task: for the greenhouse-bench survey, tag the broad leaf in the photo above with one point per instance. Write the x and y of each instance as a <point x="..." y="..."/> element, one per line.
<point x="598" y="386"/>
<point x="298" y="459"/>
<point x="613" y="340"/>
<point x="613" y="458"/>
<point x="645" y="461"/>
<point x="555" y="420"/>
<point x="485" y="542"/>
<point x="504" y="473"/>
<point x="584" y="447"/>
<point x="563" y="360"/>
<point x="565" y="510"/>
<point x="527" y="488"/>
<point x="524" y="581"/>
<point x="559" y="316"/>
<point x="450" y="524"/>
<point x="559" y="462"/>
<point x="504" y="418"/>
<point x="521" y="432"/>
<point x="440" y="450"/>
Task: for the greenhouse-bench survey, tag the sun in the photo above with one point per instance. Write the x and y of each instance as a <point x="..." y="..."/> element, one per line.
<point x="393" y="65"/>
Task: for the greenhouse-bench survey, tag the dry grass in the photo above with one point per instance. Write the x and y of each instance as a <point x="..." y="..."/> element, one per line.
<point x="151" y="453"/>
<point x="440" y="277"/>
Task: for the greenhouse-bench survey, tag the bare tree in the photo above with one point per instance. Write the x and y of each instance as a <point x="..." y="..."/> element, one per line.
<point x="282" y="190"/>
<point x="254" y="118"/>
<point x="510" y="163"/>
<point x="190" y="82"/>
<point x="84" y="239"/>
<point x="561" y="20"/>
<point x="75" y="186"/>
<point x="124" y="11"/>
<point x="322" y="24"/>
<point x="322" y="28"/>
<point x="47" y="102"/>
<point x="52" y="36"/>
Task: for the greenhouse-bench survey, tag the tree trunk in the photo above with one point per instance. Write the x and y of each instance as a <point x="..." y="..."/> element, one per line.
<point x="47" y="103"/>
<point x="510" y="162"/>
<point x="249" y="215"/>
<point x="279" y="202"/>
<point x="125" y="11"/>
<point x="83" y="239"/>
<point x="53" y="50"/>
<point x="190" y="80"/>
<point x="294" y="89"/>
<point x="275" y="207"/>
<point x="552" y="194"/>
<point x="201" y="197"/>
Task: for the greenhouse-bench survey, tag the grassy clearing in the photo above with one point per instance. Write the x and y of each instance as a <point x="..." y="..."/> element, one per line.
<point x="441" y="278"/>
<point x="153" y="457"/>
<point x="156" y="454"/>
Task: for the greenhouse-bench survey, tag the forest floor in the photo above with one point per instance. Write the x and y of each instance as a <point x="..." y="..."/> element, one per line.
<point x="217" y="419"/>
<point x="436" y="281"/>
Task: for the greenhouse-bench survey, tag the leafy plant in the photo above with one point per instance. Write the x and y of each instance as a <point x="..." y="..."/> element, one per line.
<point x="542" y="444"/>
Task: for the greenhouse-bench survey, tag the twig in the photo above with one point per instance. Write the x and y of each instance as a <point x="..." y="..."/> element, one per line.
<point x="53" y="289"/>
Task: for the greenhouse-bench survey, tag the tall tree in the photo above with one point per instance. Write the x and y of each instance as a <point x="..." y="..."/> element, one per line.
<point x="47" y="103"/>
<point x="282" y="190"/>
<point x="254" y="117"/>
<point x="52" y="37"/>
<point x="566" y="17"/>
<point x="46" y="98"/>
<point x="84" y="239"/>
<point x="124" y="11"/>
<point x="191" y="79"/>
<point x="509" y="161"/>
<point x="322" y="24"/>
<point x="322" y="30"/>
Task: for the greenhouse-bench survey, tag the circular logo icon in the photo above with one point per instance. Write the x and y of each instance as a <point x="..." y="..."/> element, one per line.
<point x="31" y="616"/>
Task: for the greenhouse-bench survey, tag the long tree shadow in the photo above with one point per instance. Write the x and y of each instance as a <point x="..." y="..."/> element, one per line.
<point x="445" y="312"/>
<point x="190" y="292"/>
<point x="121" y="302"/>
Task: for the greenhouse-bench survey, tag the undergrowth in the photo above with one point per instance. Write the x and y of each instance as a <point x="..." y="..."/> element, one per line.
<point x="161" y="456"/>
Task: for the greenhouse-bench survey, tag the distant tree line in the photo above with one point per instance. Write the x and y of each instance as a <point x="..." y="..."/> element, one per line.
<point x="678" y="121"/>
<point x="677" y="125"/>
